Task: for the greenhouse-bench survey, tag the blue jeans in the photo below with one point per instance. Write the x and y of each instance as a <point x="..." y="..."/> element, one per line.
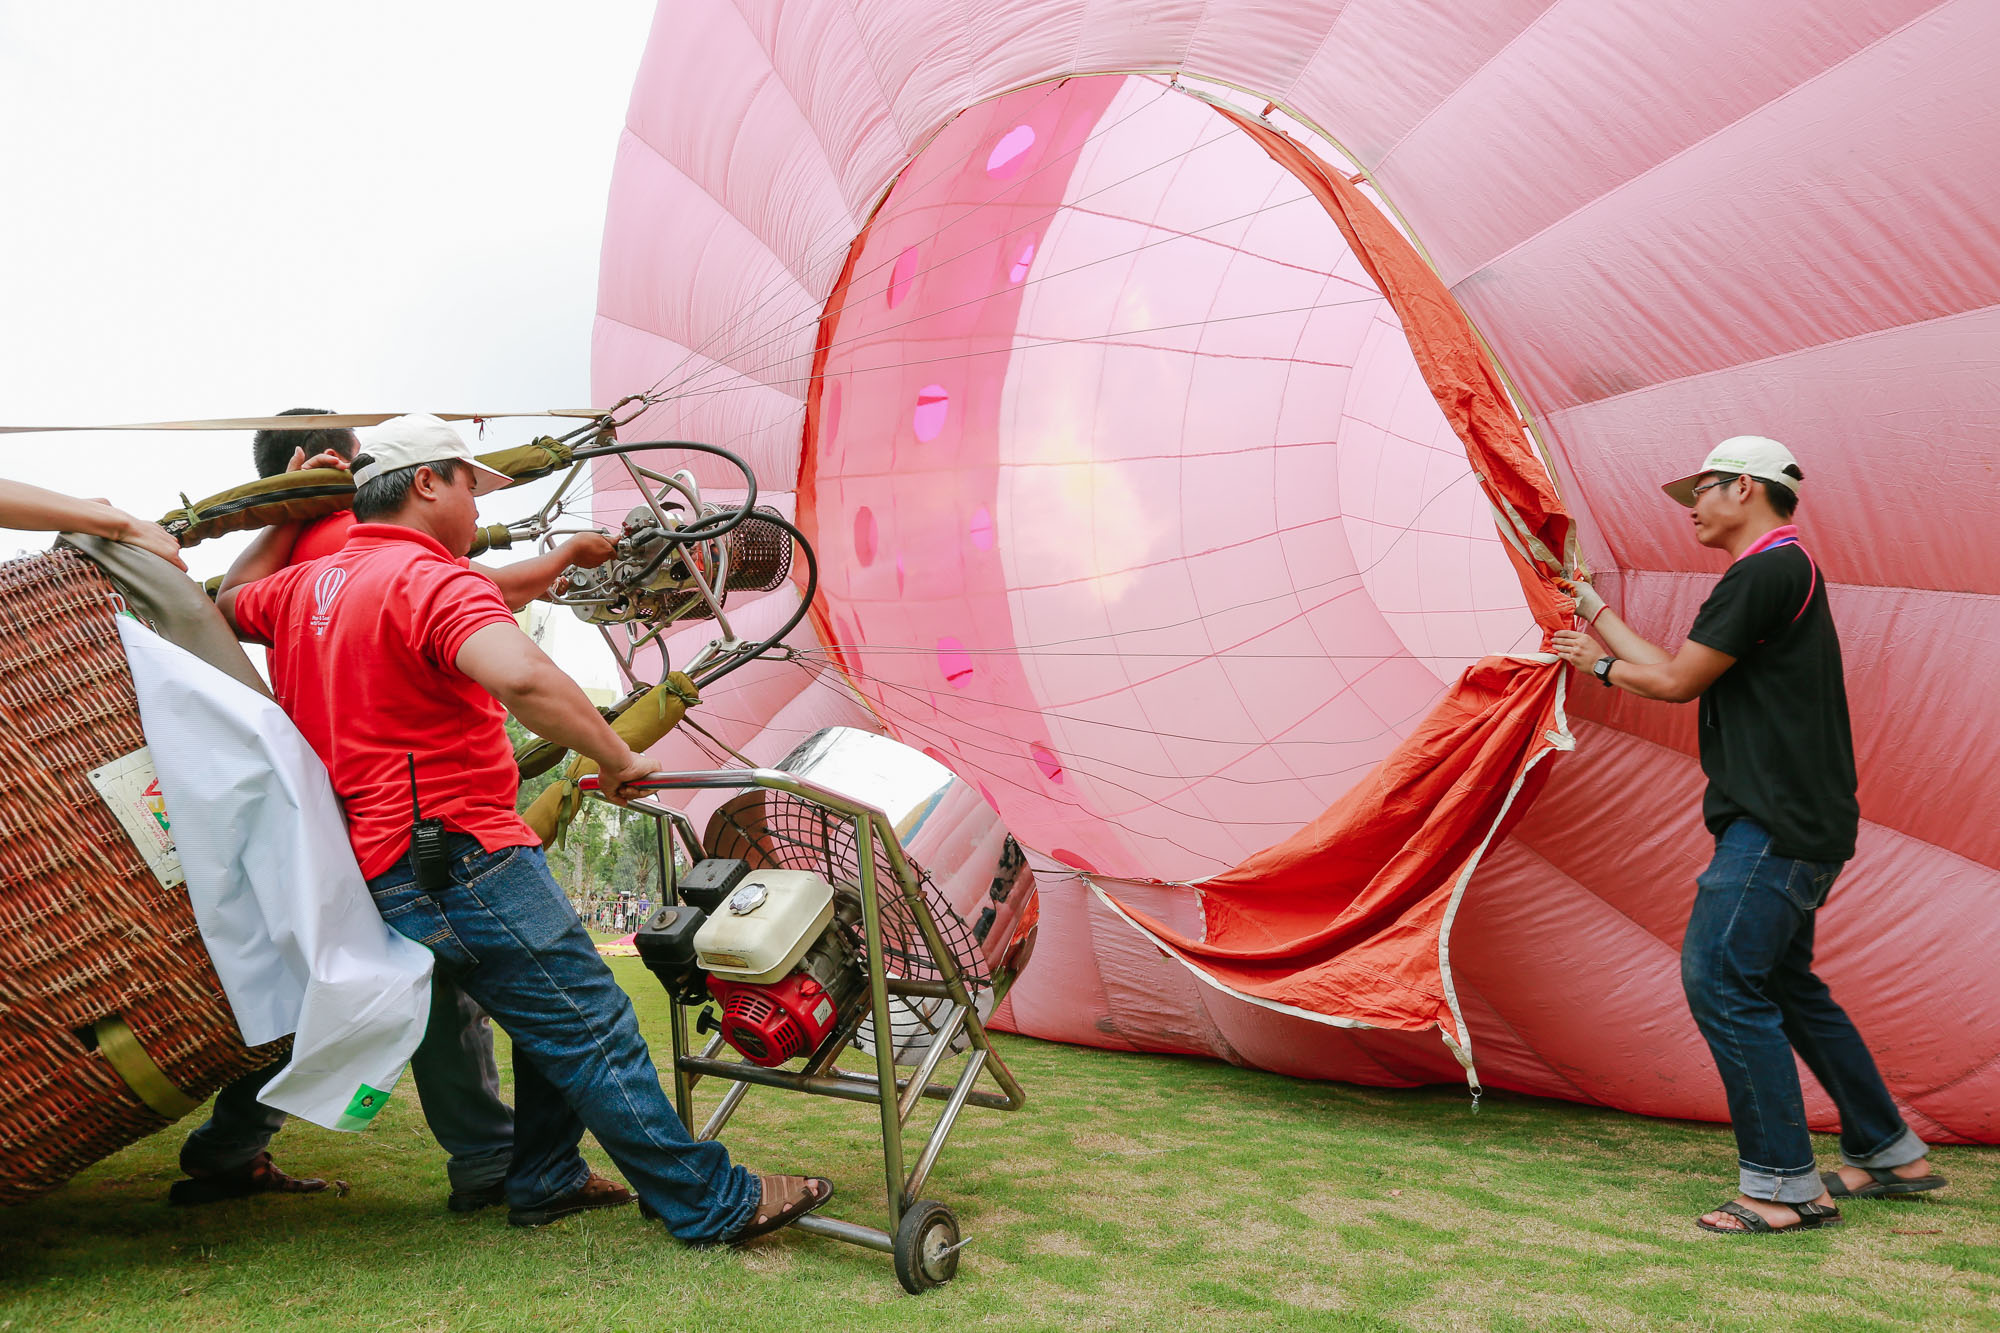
<point x="458" y="1086"/>
<point x="1746" y="965"/>
<point x="504" y="932"/>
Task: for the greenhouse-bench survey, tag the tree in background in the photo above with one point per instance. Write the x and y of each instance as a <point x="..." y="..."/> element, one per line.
<point x="605" y="853"/>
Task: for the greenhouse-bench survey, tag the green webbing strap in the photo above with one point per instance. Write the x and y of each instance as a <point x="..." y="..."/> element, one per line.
<point x="312" y="493"/>
<point x="526" y="462"/>
<point x="128" y="1059"/>
<point x="317" y="492"/>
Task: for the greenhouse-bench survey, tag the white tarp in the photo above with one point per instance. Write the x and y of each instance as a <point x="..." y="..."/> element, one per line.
<point x="280" y="901"/>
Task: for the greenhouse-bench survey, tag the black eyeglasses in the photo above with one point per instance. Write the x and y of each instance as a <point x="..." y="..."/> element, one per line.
<point x="1695" y="494"/>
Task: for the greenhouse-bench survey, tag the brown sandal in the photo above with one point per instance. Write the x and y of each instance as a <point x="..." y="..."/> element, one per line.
<point x="784" y="1201"/>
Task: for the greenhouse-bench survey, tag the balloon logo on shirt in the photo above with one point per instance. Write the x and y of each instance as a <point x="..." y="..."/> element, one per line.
<point x="325" y="588"/>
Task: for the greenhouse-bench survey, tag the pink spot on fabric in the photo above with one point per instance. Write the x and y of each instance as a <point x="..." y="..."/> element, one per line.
<point x="901" y="274"/>
<point x="899" y="576"/>
<point x="1022" y="262"/>
<point x="1005" y="159"/>
<point x="981" y="531"/>
<point x="1045" y="759"/>
<point x="864" y="535"/>
<point x="954" y="664"/>
<point x="933" y="405"/>
<point x="1073" y="861"/>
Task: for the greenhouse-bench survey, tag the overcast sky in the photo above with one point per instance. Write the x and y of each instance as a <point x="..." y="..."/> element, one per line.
<point x="221" y="208"/>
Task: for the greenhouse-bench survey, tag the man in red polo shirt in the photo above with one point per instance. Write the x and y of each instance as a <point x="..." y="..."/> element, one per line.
<point x="458" y="1082"/>
<point x="400" y="660"/>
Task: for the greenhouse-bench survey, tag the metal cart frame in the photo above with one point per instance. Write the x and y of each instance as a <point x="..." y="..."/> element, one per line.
<point x="922" y="1234"/>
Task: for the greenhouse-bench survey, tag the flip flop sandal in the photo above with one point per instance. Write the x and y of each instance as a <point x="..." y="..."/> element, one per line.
<point x="785" y="1200"/>
<point x="1812" y="1216"/>
<point x="257" y="1176"/>
<point x="1885" y="1184"/>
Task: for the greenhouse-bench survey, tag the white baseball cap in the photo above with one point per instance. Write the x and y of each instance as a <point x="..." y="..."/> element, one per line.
<point x="1750" y="455"/>
<point x="402" y="442"/>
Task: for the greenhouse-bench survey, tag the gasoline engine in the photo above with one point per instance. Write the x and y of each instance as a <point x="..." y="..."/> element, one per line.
<point x="776" y="950"/>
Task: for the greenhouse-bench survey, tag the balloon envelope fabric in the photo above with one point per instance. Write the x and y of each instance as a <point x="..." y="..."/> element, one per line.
<point x="1669" y="226"/>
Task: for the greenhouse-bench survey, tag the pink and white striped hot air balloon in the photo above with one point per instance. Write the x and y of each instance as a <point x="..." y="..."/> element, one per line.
<point x="1138" y="512"/>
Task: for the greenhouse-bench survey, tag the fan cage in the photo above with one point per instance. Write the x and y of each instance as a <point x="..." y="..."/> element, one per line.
<point x="782" y="831"/>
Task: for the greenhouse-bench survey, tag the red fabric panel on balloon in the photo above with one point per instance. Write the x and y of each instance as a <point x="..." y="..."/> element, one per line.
<point x="1349" y="919"/>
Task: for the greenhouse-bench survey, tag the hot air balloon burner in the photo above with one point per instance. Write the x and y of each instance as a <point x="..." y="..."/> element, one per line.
<point x="809" y="936"/>
<point x="658" y="576"/>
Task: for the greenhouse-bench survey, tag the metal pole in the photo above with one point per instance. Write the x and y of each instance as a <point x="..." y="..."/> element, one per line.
<point x="878" y="985"/>
<point x="692" y="1064"/>
<point x="670" y="896"/>
<point x="841" y="1084"/>
<point x="940" y="1043"/>
<point x="928" y="1158"/>
<point x="835" y="1229"/>
<point x="724" y="1109"/>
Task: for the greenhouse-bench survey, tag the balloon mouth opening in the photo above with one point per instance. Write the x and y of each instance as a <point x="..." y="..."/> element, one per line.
<point x="1125" y="464"/>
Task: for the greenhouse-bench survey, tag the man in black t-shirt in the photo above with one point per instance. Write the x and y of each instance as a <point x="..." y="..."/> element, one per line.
<point x="1764" y="660"/>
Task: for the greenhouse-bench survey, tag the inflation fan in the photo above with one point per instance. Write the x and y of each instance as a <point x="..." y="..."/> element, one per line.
<point x="802" y="930"/>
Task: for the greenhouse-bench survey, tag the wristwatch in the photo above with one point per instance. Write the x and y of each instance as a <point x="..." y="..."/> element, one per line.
<point x="1602" y="670"/>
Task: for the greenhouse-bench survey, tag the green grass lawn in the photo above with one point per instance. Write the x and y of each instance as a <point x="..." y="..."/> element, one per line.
<point x="1135" y="1192"/>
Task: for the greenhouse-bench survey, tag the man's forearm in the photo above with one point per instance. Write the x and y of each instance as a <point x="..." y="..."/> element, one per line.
<point x="552" y="706"/>
<point x="1626" y="643"/>
<point x="525" y="580"/>
<point x="32" y="509"/>
<point x="268" y="552"/>
<point x="1649" y="680"/>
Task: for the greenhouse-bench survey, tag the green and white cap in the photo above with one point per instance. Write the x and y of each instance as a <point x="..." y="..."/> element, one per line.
<point x="420" y="437"/>
<point x="1751" y="455"/>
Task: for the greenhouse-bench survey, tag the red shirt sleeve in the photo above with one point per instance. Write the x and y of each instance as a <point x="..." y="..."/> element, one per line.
<point x="261" y="605"/>
<point x="451" y="609"/>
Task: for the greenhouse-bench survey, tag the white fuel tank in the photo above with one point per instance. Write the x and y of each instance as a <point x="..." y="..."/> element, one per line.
<point x="765" y="926"/>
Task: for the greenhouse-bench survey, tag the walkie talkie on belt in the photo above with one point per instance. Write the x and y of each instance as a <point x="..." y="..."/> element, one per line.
<point x="427" y="851"/>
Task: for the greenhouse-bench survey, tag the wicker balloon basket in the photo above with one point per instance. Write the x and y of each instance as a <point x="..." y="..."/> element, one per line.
<point x="112" y="1021"/>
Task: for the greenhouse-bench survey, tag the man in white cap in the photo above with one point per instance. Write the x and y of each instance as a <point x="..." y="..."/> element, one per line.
<point x="228" y="1155"/>
<point x="1764" y="660"/>
<point x="401" y="665"/>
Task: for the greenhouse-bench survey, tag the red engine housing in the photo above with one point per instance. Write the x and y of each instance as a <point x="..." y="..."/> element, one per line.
<point x="772" y="1022"/>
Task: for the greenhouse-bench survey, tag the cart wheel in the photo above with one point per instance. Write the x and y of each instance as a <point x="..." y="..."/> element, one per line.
<point x="926" y="1246"/>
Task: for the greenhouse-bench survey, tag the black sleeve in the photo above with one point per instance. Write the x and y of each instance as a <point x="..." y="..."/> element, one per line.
<point x="1756" y="599"/>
